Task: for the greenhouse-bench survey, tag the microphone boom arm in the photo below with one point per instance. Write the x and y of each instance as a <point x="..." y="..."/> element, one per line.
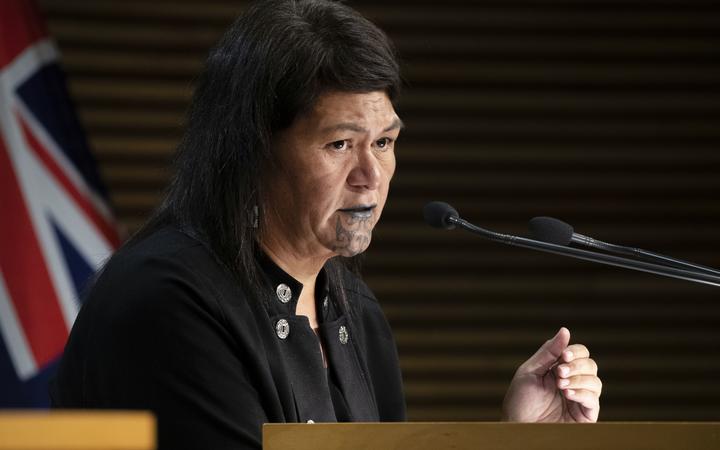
<point x="586" y="255"/>
<point x="640" y="253"/>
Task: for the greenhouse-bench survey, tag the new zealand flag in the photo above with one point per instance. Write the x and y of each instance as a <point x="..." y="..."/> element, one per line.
<point x="55" y="225"/>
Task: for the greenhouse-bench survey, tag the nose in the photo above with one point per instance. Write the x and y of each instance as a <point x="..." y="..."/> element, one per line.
<point x="366" y="171"/>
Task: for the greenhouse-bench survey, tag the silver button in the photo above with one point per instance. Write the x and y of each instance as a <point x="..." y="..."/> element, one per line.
<point x="282" y="328"/>
<point x="325" y="302"/>
<point x="310" y="421"/>
<point x="343" y="334"/>
<point x="284" y="294"/>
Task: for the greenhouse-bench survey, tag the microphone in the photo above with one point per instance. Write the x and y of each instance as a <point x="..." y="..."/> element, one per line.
<point x="442" y="215"/>
<point x="549" y="229"/>
<point x="437" y="215"/>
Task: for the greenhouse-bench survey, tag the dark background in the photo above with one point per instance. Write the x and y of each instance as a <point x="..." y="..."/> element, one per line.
<point x="603" y="113"/>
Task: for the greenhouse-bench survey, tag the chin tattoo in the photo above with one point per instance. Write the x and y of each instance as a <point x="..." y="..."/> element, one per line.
<point x="352" y="235"/>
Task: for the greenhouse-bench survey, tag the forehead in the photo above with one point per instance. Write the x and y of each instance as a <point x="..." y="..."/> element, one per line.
<point x="369" y="109"/>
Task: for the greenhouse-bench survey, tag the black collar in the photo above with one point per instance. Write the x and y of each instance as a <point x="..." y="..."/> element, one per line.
<point x="285" y="290"/>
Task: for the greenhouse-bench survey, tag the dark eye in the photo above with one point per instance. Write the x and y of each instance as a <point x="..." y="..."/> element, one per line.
<point x="383" y="143"/>
<point x="338" y="145"/>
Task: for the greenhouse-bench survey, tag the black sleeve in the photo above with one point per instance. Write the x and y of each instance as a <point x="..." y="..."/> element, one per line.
<point x="155" y="338"/>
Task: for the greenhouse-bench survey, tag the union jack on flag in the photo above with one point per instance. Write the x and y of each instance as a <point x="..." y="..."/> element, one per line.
<point x="55" y="226"/>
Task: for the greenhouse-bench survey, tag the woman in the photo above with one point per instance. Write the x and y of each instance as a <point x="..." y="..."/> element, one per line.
<point x="238" y="303"/>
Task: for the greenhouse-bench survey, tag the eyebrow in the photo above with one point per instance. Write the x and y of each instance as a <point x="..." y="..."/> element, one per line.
<point x="350" y="126"/>
<point x="397" y="123"/>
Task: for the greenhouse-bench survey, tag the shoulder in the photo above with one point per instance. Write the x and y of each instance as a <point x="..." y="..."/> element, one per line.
<point x="354" y="285"/>
<point x="166" y="271"/>
<point x="163" y="246"/>
<point x="153" y="331"/>
<point x="364" y="305"/>
<point x="356" y="291"/>
<point x="156" y="302"/>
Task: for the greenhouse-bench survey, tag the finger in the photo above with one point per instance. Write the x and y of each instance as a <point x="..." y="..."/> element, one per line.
<point x="585" y="366"/>
<point x="548" y="354"/>
<point x="586" y="398"/>
<point x="575" y="351"/>
<point x="582" y="382"/>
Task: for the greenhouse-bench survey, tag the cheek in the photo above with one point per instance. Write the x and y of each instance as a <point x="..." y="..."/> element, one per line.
<point x="326" y="195"/>
<point x="388" y="162"/>
<point x="391" y="169"/>
<point x="388" y="169"/>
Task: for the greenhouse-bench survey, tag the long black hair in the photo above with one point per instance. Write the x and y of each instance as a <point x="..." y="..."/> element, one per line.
<point x="269" y="68"/>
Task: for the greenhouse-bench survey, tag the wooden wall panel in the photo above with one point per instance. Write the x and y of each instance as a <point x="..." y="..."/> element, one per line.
<point x="603" y="113"/>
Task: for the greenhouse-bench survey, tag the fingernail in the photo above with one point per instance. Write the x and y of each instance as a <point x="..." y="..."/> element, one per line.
<point x="568" y="355"/>
<point x="570" y="392"/>
<point x="564" y="371"/>
<point x="564" y="383"/>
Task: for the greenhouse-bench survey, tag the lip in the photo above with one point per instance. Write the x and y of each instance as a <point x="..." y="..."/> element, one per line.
<point x="359" y="210"/>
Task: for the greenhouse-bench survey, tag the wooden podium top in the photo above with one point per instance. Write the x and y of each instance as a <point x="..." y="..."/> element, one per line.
<point x="494" y="436"/>
<point x="86" y="430"/>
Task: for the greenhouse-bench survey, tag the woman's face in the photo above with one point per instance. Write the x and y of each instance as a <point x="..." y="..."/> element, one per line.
<point x="328" y="189"/>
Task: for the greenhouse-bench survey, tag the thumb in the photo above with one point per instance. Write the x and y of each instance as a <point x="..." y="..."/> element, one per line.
<point x="548" y="354"/>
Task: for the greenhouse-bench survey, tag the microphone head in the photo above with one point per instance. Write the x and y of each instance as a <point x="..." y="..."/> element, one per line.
<point x="437" y="214"/>
<point x="551" y="230"/>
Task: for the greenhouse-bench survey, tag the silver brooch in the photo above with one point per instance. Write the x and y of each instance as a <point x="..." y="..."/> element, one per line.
<point x="282" y="328"/>
<point x="343" y="335"/>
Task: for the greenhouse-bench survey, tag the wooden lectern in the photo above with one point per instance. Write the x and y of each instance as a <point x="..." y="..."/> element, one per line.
<point x="79" y="430"/>
<point x="494" y="436"/>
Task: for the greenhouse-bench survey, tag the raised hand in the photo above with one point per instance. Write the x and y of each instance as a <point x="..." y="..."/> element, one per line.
<point x="559" y="383"/>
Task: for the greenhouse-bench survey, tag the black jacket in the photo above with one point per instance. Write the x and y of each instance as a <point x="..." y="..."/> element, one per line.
<point x="165" y="328"/>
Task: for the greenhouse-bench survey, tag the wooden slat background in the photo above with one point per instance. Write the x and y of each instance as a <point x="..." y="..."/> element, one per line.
<point x="603" y="113"/>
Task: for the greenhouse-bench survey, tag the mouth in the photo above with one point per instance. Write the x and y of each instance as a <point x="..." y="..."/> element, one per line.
<point x="359" y="211"/>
